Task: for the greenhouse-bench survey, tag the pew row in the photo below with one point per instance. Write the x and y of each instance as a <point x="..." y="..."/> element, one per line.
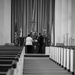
<point x="63" y="56"/>
<point x="11" y="60"/>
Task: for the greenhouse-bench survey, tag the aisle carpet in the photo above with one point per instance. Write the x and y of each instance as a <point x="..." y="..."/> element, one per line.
<point x="42" y="66"/>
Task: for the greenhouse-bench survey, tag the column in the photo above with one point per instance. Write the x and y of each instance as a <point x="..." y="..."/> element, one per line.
<point x="48" y="14"/>
<point x="45" y="24"/>
<point x="25" y="20"/>
<point x="69" y="22"/>
<point x="50" y="20"/>
<point x="43" y="14"/>
<point x="30" y="15"/>
<point x="27" y="16"/>
<point x="5" y="21"/>
<point x="62" y="21"/>
<point x="58" y="20"/>
<point x="35" y="15"/>
<point x="65" y="21"/>
<point x="22" y="15"/>
<point x="38" y="16"/>
<point x="73" y="23"/>
<point x="12" y="19"/>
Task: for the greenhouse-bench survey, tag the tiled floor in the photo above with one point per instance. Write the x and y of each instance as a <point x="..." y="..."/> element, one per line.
<point x="42" y="66"/>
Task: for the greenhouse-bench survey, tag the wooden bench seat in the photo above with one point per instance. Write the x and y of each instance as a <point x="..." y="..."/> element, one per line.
<point x="10" y="52"/>
<point x="6" y="62"/>
<point x="16" y="56"/>
<point x="4" y="69"/>
<point x="5" y="65"/>
<point x="10" y="47"/>
<point x="9" y="57"/>
<point x="2" y="52"/>
<point x="3" y="73"/>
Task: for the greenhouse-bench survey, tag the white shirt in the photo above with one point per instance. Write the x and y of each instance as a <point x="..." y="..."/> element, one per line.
<point x="29" y="41"/>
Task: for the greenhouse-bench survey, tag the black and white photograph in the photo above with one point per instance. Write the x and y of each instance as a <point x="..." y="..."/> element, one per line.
<point x="37" y="37"/>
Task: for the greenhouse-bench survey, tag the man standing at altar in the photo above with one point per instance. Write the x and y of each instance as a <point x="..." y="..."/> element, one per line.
<point x="40" y="42"/>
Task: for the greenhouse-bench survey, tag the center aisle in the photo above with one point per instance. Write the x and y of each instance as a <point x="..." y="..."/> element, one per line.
<point x="42" y="66"/>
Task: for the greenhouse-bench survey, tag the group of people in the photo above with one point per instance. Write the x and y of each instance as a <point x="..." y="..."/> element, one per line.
<point x="39" y="39"/>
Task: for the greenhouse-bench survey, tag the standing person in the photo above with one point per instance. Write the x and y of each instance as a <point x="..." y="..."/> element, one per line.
<point x="35" y="44"/>
<point x="29" y="44"/>
<point x="40" y="42"/>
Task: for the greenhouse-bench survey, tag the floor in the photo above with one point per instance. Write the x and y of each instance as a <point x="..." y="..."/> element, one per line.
<point x="42" y="66"/>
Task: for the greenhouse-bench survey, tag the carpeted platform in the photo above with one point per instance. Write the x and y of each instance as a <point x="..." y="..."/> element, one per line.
<point x="42" y="66"/>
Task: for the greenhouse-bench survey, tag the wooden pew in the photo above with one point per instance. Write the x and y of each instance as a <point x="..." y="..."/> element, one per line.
<point x="8" y="58"/>
<point x="5" y="65"/>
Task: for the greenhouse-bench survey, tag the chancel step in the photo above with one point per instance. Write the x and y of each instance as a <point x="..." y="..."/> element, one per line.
<point x="36" y="55"/>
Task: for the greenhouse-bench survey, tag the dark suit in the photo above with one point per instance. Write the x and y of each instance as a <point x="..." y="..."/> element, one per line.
<point x="40" y="43"/>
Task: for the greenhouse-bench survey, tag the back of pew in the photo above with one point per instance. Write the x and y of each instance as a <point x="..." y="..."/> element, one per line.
<point x="6" y="65"/>
<point x="8" y="57"/>
<point x="10" y="47"/>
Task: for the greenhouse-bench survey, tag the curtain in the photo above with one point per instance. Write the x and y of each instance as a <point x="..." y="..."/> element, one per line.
<point x="30" y="16"/>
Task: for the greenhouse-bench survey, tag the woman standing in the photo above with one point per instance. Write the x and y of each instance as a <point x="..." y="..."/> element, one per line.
<point x="29" y="43"/>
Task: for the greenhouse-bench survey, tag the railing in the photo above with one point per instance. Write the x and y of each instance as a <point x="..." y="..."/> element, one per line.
<point x="64" y="56"/>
